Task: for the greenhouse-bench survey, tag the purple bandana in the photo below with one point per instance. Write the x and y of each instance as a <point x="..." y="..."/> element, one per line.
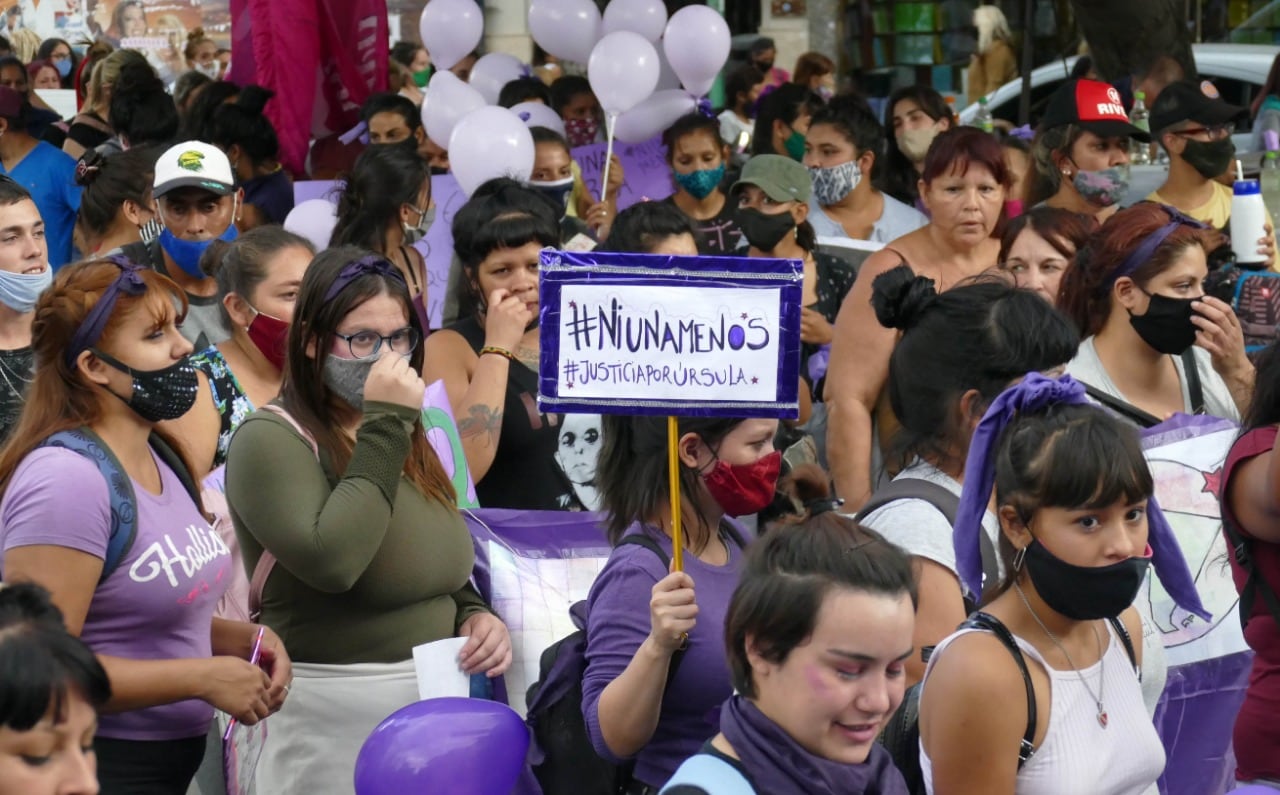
<point x="90" y="329"/>
<point x="367" y="265"/>
<point x="1147" y="248"/>
<point x="1036" y="393"/>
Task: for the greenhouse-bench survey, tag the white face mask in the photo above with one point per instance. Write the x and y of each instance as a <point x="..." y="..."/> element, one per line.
<point x="209" y="70"/>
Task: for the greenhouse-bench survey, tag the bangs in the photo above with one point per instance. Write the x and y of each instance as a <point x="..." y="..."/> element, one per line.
<point x="41" y="670"/>
<point x="1093" y="464"/>
<point x="163" y="301"/>
<point x="512" y="230"/>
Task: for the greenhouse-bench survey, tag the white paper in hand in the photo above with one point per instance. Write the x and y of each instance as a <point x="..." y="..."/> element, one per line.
<point x="439" y="674"/>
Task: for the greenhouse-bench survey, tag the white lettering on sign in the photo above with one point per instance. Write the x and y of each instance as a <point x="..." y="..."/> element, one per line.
<point x="695" y="343"/>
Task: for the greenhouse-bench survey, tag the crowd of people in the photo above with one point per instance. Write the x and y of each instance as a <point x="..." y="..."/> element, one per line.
<point x="260" y="526"/>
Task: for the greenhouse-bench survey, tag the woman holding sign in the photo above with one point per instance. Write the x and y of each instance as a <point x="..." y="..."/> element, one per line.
<point x="963" y="186"/>
<point x="489" y="358"/>
<point x="657" y="671"/>
<point x="348" y="522"/>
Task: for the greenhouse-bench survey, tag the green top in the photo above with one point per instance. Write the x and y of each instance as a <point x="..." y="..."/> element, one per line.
<point x="367" y="566"/>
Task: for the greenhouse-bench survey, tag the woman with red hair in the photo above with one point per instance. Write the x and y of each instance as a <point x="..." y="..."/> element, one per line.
<point x="963" y="187"/>
<point x="1155" y="344"/>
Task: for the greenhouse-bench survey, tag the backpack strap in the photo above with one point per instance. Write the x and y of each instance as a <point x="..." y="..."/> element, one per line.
<point x="989" y="623"/>
<point x="1123" y="632"/>
<point x="940" y="497"/>
<point x="1127" y="410"/>
<point x="267" y="561"/>
<point x="124" y="504"/>
<point x="1255" y="584"/>
<point x="1194" y="388"/>
<point x="173" y="460"/>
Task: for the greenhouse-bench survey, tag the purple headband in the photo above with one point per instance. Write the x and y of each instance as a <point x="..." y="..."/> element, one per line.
<point x="371" y="264"/>
<point x="1036" y="393"/>
<point x="1147" y="248"/>
<point x="90" y="329"/>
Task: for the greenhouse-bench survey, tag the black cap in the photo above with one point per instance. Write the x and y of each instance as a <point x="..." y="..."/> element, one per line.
<point x="1093" y="105"/>
<point x="1189" y="100"/>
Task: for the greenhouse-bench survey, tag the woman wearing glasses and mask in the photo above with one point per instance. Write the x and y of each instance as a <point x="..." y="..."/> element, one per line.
<point x="348" y="522"/>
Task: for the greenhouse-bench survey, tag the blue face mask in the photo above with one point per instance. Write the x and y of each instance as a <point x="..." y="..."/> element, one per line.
<point x="187" y="253"/>
<point x="700" y="184"/>
<point x="19" y="291"/>
<point x="63" y="67"/>
<point x="558" y="191"/>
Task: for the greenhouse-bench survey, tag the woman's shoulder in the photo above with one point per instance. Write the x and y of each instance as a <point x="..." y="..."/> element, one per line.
<point x="709" y="771"/>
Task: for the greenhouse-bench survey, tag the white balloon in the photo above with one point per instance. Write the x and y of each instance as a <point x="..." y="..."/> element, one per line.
<point x="313" y="219"/>
<point x="447" y="100"/>
<point x="655" y="114"/>
<point x="567" y="29"/>
<point x="646" y="17"/>
<point x="493" y="71"/>
<point x="490" y="142"/>
<point x="623" y="70"/>
<point x="450" y="30"/>
<point x="535" y="114"/>
<point x="697" y="45"/>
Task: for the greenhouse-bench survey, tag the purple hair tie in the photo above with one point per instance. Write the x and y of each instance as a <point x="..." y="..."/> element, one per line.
<point x="1024" y="132"/>
<point x="371" y="264"/>
<point x="1036" y="393"/>
<point x="1147" y="248"/>
<point x="704" y="107"/>
<point x="90" y="329"/>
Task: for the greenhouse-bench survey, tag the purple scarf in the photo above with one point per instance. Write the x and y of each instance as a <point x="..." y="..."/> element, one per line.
<point x="1036" y="393"/>
<point x="777" y="765"/>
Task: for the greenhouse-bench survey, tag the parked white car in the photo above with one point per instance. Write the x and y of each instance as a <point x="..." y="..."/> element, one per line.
<point x="1238" y="71"/>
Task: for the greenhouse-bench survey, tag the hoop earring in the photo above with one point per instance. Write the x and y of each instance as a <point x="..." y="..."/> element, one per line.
<point x="1018" y="558"/>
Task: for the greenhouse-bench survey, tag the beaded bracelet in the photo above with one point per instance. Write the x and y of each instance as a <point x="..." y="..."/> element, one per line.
<point x="503" y="352"/>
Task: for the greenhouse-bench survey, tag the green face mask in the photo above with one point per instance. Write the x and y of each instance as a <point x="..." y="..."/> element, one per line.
<point x="420" y="78"/>
<point x="795" y="146"/>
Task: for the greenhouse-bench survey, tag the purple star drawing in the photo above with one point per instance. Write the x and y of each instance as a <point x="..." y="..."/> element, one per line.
<point x="743" y="316"/>
<point x="573" y="304"/>
<point x="755" y="380"/>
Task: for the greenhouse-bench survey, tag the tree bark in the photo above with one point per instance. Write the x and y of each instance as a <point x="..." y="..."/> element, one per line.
<point x="1126" y="37"/>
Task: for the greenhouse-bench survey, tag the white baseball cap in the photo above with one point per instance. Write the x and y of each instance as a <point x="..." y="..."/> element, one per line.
<point x="194" y="164"/>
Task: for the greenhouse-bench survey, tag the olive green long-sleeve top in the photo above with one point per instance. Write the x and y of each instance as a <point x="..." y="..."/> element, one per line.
<point x="367" y="566"/>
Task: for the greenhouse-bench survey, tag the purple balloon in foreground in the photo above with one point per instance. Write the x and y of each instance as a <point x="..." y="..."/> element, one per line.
<point x="458" y="745"/>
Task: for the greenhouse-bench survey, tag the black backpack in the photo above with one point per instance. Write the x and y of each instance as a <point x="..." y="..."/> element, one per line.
<point x="1255" y="583"/>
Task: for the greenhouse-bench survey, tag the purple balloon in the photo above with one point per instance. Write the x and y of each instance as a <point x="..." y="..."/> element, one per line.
<point x="463" y="745"/>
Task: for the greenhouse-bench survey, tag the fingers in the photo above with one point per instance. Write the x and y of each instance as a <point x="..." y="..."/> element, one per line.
<point x="676" y="580"/>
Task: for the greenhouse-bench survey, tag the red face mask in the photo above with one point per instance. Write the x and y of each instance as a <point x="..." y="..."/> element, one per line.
<point x="744" y="489"/>
<point x="269" y="334"/>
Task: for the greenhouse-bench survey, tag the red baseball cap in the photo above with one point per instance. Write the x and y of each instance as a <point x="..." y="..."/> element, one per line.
<point x="1093" y="105"/>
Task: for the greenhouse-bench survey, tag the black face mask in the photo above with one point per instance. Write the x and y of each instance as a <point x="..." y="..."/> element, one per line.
<point x="764" y="66"/>
<point x="1084" y="593"/>
<point x="1167" y="325"/>
<point x="1210" y="158"/>
<point x="764" y="232"/>
<point x="159" y="395"/>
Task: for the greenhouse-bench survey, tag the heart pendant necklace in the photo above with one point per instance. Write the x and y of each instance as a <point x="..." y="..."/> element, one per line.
<point x="1102" y="660"/>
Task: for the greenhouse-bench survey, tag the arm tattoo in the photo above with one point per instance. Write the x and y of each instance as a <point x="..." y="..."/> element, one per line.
<point x="483" y="421"/>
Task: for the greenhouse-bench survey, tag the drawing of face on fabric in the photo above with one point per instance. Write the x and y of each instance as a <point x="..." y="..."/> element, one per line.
<point x="1187" y="473"/>
<point x="577" y="454"/>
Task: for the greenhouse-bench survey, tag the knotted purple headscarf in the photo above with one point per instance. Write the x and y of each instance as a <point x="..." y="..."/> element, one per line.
<point x="1036" y="393"/>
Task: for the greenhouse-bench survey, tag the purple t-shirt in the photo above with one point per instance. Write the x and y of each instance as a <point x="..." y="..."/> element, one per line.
<point x="158" y="604"/>
<point x="618" y="622"/>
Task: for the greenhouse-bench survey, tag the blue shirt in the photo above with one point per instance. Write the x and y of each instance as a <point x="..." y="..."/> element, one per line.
<point x="50" y="175"/>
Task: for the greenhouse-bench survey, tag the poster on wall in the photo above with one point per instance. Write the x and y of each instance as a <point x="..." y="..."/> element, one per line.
<point x="159" y="28"/>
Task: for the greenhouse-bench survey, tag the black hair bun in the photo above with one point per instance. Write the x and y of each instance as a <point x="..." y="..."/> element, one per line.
<point x="254" y="98"/>
<point x="88" y="167"/>
<point x="900" y="297"/>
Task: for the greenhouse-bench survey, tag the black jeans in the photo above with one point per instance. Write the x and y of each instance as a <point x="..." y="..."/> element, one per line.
<point x="147" y="767"/>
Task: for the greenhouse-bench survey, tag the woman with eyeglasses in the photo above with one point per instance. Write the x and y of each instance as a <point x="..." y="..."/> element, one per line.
<point x="349" y="523"/>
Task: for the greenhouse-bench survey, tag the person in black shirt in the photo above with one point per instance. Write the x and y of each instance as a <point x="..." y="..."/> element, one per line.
<point x="697" y="157"/>
<point x="24" y="274"/>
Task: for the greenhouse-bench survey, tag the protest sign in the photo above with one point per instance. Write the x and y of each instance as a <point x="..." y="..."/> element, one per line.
<point x="1208" y="660"/>
<point x="648" y="176"/>
<point x="647" y="334"/>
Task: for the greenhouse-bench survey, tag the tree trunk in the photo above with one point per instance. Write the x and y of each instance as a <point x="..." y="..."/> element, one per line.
<point x="1126" y="37"/>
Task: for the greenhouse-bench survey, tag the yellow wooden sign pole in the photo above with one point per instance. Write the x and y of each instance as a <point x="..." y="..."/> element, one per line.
<point x="673" y="471"/>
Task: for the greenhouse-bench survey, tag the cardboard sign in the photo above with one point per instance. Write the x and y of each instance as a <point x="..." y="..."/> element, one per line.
<point x="649" y="334"/>
<point x="648" y="177"/>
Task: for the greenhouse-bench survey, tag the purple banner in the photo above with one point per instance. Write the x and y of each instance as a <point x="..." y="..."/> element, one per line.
<point x="648" y="177"/>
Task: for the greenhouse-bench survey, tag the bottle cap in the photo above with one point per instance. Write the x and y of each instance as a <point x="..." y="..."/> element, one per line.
<point x="1246" y="187"/>
<point x="1140" y="95"/>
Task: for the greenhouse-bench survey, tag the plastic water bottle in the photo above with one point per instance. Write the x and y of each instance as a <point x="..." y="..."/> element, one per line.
<point x="983" y="119"/>
<point x="1248" y="222"/>
<point x="1140" y="117"/>
<point x="1270" y="176"/>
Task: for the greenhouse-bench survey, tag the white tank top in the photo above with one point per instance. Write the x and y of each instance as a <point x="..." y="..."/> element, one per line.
<point x="1078" y="756"/>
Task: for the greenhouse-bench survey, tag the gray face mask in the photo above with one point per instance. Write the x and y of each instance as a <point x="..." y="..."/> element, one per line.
<point x="412" y="234"/>
<point x="346" y="377"/>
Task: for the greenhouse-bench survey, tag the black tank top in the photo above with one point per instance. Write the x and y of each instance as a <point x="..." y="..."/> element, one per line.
<point x="524" y="474"/>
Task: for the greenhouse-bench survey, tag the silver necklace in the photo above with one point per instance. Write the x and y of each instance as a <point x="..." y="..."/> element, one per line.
<point x="1102" y="661"/>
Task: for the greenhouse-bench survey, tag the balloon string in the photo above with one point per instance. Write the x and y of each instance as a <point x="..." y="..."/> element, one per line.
<point x="673" y="473"/>
<point x="610" y="121"/>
